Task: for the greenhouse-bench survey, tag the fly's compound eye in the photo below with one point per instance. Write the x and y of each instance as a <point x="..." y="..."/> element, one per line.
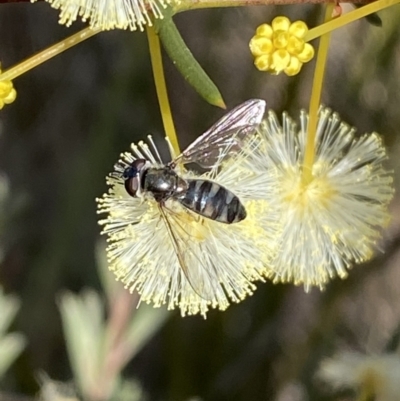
<point x="132" y="176"/>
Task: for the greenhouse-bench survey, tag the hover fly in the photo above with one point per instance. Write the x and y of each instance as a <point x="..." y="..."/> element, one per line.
<point x="206" y="198"/>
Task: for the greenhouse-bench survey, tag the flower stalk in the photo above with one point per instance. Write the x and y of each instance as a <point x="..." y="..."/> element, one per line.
<point x="348" y="18"/>
<point x="161" y="88"/>
<point x="324" y="31"/>
<point x="315" y="101"/>
<point x="47" y="54"/>
<point x="185" y="5"/>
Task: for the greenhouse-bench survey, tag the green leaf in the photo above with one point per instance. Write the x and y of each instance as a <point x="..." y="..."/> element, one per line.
<point x="84" y="329"/>
<point x="185" y="62"/>
<point x="9" y="305"/>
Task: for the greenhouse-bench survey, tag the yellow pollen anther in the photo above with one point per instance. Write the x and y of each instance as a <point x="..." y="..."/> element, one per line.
<point x="281" y="46"/>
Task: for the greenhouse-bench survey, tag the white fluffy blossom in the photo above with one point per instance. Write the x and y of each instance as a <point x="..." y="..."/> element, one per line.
<point x="295" y="231"/>
<point x="110" y="14"/>
<point x="224" y="259"/>
<point x="335" y="219"/>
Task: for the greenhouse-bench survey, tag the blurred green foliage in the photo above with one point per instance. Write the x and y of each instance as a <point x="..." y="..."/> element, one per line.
<point x="11" y="344"/>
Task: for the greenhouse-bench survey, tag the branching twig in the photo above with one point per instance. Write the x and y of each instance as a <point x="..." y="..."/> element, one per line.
<point x="197" y="4"/>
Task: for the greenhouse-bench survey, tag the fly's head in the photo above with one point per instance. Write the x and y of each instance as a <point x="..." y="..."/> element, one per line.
<point x="133" y="176"/>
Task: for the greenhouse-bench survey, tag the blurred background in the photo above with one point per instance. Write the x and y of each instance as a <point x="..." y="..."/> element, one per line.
<point x="73" y="116"/>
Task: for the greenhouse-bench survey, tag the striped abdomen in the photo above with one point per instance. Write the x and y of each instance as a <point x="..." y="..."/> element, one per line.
<point x="213" y="201"/>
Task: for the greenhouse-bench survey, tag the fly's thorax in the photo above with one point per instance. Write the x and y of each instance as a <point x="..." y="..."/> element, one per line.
<point x="163" y="183"/>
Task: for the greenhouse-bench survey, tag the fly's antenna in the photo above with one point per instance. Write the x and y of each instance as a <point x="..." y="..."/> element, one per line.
<point x="154" y="148"/>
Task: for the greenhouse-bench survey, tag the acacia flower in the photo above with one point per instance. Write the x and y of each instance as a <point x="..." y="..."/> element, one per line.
<point x="281" y="47"/>
<point x="111" y="14"/>
<point x="372" y="376"/>
<point x="7" y="92"/>
<point x="224" y="258"/>
<point x="335" y="219"/>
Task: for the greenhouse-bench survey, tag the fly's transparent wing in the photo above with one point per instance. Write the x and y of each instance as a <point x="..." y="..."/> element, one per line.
<point x="226" y="137"/>
<point x="196" y="272"/>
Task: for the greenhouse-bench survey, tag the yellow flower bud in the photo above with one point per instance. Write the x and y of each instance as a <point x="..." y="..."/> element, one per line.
<point x="298" y="29"/>
<point x="280" y="24"/>
<point x="294" y="67"/>
<point x="11" y="96"/>
<point x="7" y="93"/>
<point x="264" y="30"/>
<point x="280" y="59"/>
<point x="280" y="39"/>
<point x="260" y="45"/>
<point x="295" y="45"/>
<point x="307" y="54"/>
<point x="263" y="63"/>
<point x="280" y="46"/>
<point x="5" y="88"/>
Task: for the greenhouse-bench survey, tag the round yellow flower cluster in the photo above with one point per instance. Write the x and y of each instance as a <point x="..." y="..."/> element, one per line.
<point x="7" y="92"/>
<point x="281" y="46"/>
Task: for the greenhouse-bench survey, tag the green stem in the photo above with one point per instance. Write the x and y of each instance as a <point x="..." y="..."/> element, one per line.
<point x="348" y="17"/>
<point x="161" y="88"/>
<point x="47" y="54"/>
<point x="185" y="5"/>
<point x="315" y="101"/>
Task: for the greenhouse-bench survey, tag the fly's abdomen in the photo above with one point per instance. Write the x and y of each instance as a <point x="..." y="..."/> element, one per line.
<point x="213" y="201"/>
